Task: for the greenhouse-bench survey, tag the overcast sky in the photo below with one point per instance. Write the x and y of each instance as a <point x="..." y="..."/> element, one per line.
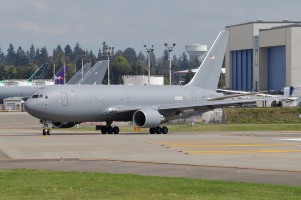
<point x="130" y="23"/>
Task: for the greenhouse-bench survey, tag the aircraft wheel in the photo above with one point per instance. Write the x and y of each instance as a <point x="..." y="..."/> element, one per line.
<point x="104" y="130"/>
<point x="158" y="130"/>
<point x="110" y="130"/>
<point x="116" y="130"/>
<point x="152" y="130"/>
<point x="44" y="131"/>
<point x="164" y="130"/>
<point x="48" y="131"/>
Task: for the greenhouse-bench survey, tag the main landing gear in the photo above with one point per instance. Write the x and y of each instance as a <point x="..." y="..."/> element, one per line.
<point x="158" y="130"/>
<point x="108" y="129"/>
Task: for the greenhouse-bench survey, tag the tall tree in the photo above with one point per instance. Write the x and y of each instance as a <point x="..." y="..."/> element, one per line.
<point x="31" y="54"/>
<point x="11" y="55"/>
<point x="130" y="55"/>
<point x="21" y="58"/>
<point x="43" y="56"/>
<point x="69" y="52"/>
<point x="119" y="66"/>
<point x="184" y="62"/>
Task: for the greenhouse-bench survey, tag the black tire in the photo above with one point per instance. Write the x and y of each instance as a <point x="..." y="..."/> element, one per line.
<point x="116" y="130"/>
<point x="110" y="130"/>
<point x="44" y="131"/>
<point x="152" y="130"/>
<point x="104" y="130"/>
<point x="158" y="130"/>
<point x="273" y="104"/>
<point x="164" y="130"/>
<point x="48" y="131"/>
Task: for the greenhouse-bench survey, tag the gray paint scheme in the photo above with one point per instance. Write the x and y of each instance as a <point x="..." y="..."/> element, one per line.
<point x="96" y="74"/>
<point x="155" y="104"/>
<point x="77" y="77"/>
<point x="17" y="91"/>
<point x="94" y="77"/>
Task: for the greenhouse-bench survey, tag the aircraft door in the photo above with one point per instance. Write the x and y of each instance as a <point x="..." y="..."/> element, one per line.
<point x="64" y="98"/>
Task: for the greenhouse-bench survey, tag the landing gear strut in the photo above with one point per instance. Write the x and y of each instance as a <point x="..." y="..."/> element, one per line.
<point x="46" y="130"/>
<point x="158" y="130"/>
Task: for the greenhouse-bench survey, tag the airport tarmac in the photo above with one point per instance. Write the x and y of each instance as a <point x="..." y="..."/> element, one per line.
<point x="262" y="157"/>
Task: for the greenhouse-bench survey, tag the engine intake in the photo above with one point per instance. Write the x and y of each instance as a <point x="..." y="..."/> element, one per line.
<point x="147" y="118"/>
<point x="63" y="124"/>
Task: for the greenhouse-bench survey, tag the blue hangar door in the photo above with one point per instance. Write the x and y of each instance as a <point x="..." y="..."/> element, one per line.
<point x="276" y="68"/>
<point x="242" y="69"/>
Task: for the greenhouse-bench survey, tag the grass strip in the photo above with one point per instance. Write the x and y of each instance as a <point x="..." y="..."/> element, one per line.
<point x="42" y="184"/>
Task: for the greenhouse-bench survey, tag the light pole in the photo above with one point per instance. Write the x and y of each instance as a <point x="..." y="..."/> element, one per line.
<point x="169" y="49"/>
<point x="82" y="70"/>
<point x="149" y="50"/>
<point x="109" y="52"/>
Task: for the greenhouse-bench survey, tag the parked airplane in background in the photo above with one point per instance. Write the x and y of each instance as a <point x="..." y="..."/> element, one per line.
<point x="40" y="73"/>
<point x="79" y="74"/>
<point x="22" y="91"/>
<point x="91" y="76"/>
<point x="147" y="106"/>
<point x="96" y="74"/>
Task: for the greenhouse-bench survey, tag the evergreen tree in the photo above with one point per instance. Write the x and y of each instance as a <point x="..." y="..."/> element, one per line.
<point x="69" y="52"/>
<point x="21" y="58"/>
<point x="11" y="55"/>
<point x="99" y="55"/>
<point x="130" y="55"/>
<point x="31" y="54"/>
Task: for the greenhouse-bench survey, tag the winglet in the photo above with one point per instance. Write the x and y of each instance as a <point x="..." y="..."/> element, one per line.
<point x="208" y="73"/>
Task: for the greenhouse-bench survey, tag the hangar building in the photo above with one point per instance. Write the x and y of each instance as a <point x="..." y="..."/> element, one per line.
<point x="263" y="55"/>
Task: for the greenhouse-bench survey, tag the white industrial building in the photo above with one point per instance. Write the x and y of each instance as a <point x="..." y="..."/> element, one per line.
<point x="263" y="55"/>
<point x="142" y="80"/>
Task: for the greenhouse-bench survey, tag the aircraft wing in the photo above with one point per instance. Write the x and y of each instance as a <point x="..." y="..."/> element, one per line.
<point x="201" y="106"/>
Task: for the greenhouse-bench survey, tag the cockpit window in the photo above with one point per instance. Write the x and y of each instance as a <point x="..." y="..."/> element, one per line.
<point x="39" y="96"/>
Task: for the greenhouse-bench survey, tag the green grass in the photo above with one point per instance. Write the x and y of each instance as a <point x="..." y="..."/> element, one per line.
<point x="263" y="115"/>
<point x="38" y="184"/>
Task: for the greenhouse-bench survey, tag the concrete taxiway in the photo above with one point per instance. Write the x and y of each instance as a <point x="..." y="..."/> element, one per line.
<point x="264" y="157"/>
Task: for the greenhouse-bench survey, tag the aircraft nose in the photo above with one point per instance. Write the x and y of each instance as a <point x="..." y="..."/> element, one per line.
<point x="30" y="106"/>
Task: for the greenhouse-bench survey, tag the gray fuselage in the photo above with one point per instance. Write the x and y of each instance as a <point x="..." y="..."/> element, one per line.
<point x="89" y="103"/>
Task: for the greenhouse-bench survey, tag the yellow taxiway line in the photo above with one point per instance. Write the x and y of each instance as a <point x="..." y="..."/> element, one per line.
<point x="244" y="151"/>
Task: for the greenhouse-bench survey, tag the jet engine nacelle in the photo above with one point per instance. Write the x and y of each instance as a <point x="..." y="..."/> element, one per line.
<point x="147" y="118"/>
<point x="63" y="124"/>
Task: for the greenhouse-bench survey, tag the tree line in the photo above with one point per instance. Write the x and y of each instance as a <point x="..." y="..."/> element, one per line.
<point x="21" y="64"/>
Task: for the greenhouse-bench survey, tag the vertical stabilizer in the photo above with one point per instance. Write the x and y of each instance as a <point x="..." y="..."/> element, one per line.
<point x="209" y="72"/>
<point x="79" y="75"/>
<point x="96" y="74"/>
<point x="40" y="73"/>
<point x="60" y="76"/>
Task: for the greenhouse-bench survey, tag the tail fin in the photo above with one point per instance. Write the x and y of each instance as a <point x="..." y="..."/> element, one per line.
<point x="96" y="74"/>
<point x="77" y="77"/>
<point x="40" y="73"/>
<point x="208" y="73"/>
<point x="60" y="76"/>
